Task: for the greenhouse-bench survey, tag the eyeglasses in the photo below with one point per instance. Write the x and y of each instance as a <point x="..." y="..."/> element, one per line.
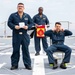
<point x="20" y="6"/>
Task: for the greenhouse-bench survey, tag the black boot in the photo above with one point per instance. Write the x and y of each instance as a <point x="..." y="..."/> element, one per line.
<point x="14" y="67"/>
<point x="63" y="66"/>
<point x="28" y="67"/>
<point x="37" y="53"/>
<point x="56" y="61"/>
<point x="55" y="66"/>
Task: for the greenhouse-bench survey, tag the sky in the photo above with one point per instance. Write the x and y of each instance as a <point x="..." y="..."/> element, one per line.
<point x="55" y="10"/>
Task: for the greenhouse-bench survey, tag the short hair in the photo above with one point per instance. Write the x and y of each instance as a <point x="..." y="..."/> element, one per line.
<point x="20" y="4"/>
<point x="40" y="7"/>
<point x="57" y="23"/>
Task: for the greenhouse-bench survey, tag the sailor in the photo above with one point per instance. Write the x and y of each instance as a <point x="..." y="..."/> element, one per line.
<point x="20" y="22"/>
<point x="40" y="19"/>
<point x="58" y="37"/>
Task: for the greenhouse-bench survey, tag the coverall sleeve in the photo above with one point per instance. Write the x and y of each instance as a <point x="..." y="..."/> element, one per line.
<point x="48" y="33"/>
<point x="10" y="22"/>
<point x="47" y="21"/>
<point x="30" y="23"/>
<point x="68" y="33"/>
<point x="34" y="20"/>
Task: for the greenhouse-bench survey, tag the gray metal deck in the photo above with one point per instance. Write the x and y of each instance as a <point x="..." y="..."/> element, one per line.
<point x="40" y="66"/>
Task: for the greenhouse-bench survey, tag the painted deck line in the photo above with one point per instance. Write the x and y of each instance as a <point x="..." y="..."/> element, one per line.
<point x="38" y="68"/>
<point x="1" y="65"/>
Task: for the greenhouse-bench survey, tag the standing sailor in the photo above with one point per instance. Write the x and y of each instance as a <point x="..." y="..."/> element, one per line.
<point x="40" y="19"/>
<point x="20" y="22"/>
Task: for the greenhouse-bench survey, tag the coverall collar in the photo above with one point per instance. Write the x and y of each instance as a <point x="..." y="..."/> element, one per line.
<point x="39" y="14"/>
<point x="19" y="15"/>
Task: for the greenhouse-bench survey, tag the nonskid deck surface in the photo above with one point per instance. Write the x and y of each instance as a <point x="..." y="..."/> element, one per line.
<point x="39" y="63"/>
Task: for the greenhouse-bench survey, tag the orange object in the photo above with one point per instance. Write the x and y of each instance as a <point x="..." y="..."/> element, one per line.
<point x="40" y="31"/>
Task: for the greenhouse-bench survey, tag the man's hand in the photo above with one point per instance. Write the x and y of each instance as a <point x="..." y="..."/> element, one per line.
<point x="17" y="27"/>
<point x="54" y="29"/>
<point x="25" y="27"/>
<point x="47" y="26"/>
<point x="61" y="29"/>
<point x="36" y="25"/>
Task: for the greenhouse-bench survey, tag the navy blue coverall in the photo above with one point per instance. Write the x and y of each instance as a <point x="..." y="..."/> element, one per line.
<point x="58" y="44"/>
<point x="20" y="39"/>
<point x="40" y="21"/>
